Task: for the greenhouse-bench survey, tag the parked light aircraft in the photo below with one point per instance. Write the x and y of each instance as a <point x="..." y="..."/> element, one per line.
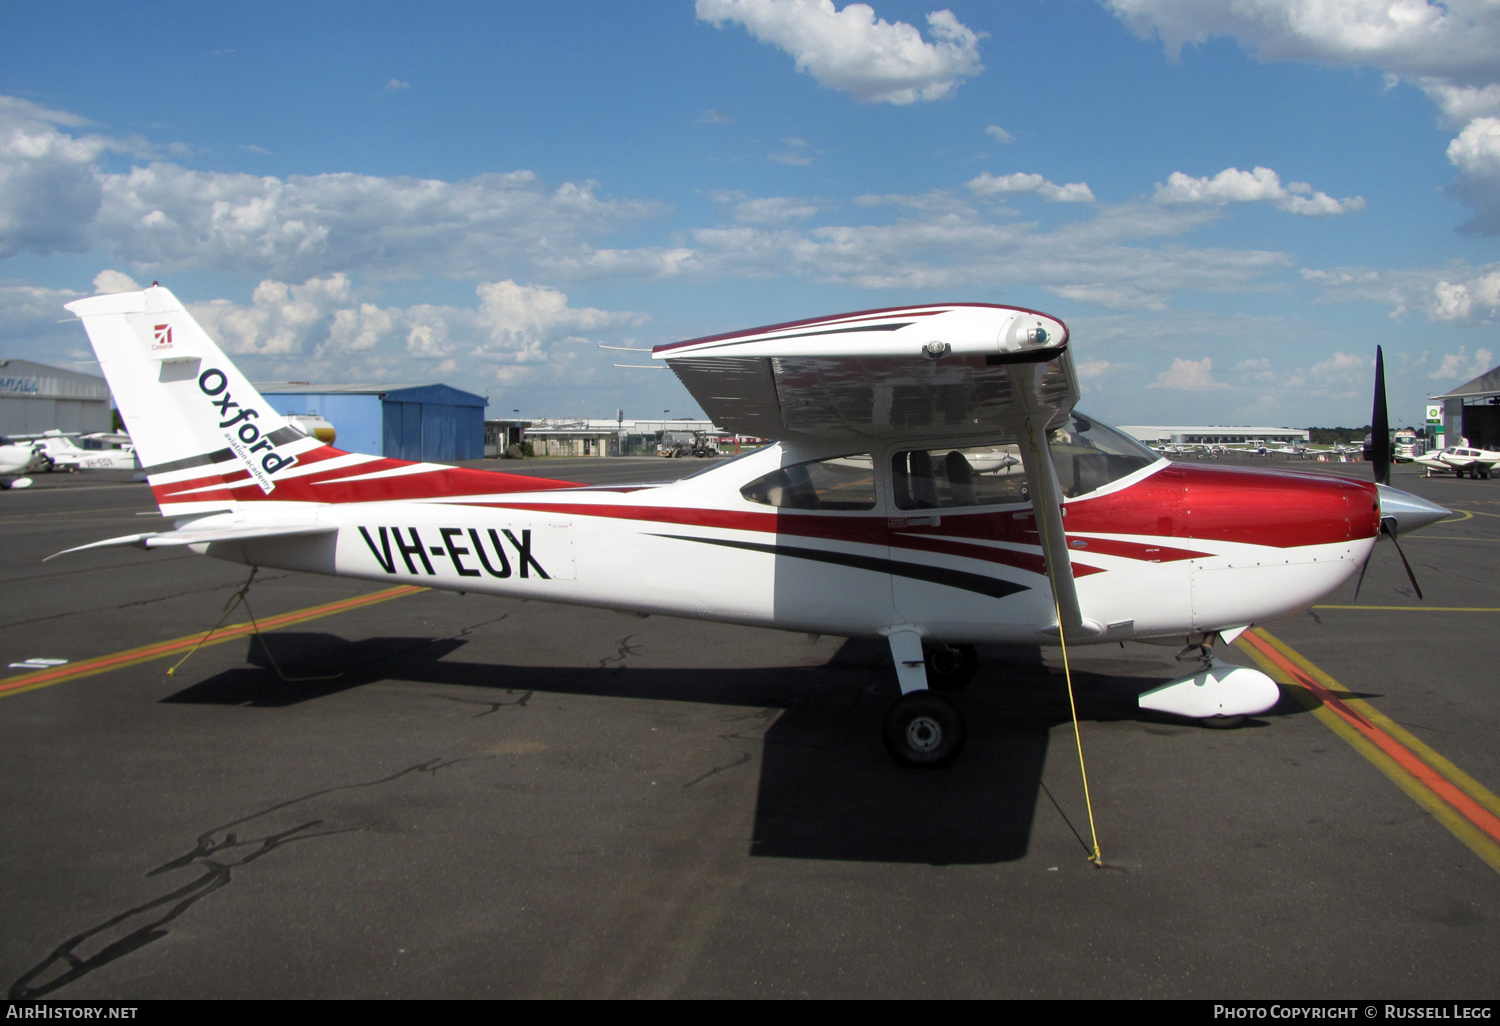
<point x="18" y="457"/>
<point x="866" y="518"/>
<point x="65" y="454"/>
<point x="1460" y="459"/>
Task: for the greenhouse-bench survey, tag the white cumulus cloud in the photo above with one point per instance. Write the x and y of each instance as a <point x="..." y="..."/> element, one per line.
<point x="1456" y="40"/>
<point x="107" y="281"/>
<point x="853" y="51"/>
<point x="1188" y="376"/>
<point x="1460" y="366"/>
<point x="1448" y="48"/>
<point x="1454" y="293"/>
<point x="1476" y="154"/>
<point x="1261" y="185"/>
<point x="998" y="185"/>
<point x="328" y="325"/>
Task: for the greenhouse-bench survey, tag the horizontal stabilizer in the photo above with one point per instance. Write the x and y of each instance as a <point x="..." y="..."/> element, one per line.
<point x="207" y="536"/>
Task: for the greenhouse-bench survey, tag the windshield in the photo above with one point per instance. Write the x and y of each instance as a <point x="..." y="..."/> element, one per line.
<point x="1089" y="455"/>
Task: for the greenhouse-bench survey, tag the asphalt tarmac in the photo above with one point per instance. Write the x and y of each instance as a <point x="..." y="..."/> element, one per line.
<point x="469" y="797"/>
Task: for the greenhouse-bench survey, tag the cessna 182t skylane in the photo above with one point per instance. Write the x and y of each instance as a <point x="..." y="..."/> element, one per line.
<point x="883" y="509"/>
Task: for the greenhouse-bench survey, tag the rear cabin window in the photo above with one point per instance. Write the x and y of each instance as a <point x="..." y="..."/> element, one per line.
<point x="841" y="483"/>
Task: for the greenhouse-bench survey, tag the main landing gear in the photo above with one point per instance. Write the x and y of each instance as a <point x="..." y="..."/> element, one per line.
<point x="923" y="728"/>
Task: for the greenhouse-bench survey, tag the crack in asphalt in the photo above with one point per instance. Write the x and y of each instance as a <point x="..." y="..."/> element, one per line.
<point x="492" y="707"/>
<point x="623" y="648"/>
<point x="217" y="853"/>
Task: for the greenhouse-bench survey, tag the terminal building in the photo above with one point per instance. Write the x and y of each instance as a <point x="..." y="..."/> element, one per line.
<point x="1472" y="411"/>
<point x="582" y="437"/>
<point x="404" y="422"/>
<point x="35" y="398"/>
<point x="1187" y="434"/>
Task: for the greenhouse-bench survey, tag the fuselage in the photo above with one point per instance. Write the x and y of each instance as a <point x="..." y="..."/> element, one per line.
<point x="1159" y="550"/>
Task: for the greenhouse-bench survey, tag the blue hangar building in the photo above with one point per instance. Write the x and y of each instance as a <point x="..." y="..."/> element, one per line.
<point x="404" y="422"/>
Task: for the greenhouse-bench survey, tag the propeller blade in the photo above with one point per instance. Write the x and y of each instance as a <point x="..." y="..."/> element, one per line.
<point x="1385" y="528"/>
<point x="1380" y="426"/>
<point x="1362" y="568"/>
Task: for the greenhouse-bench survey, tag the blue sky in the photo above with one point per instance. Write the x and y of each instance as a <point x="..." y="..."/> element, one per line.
<point x="1229" y="201"/>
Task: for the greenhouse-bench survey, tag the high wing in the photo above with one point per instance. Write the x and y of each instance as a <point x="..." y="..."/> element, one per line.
<point x="953" y="371"/>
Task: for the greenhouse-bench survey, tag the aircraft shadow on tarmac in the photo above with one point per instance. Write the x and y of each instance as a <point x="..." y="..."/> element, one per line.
<point x="827" y="789"/>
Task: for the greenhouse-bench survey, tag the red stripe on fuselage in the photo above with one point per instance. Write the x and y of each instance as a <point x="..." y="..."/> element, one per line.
<point x="329" y="487"/>
<point x="1223" y="504"/>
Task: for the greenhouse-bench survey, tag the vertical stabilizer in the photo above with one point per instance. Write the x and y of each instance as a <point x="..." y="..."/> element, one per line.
<point x="184" y="403"/>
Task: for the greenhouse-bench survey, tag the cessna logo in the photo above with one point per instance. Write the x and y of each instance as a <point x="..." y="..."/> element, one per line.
<point x="240" y="431"/>
<point x="468" y="551"/>
<point x="161" y="337"/>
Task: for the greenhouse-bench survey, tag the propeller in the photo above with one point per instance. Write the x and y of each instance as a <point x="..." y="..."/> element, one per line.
<point x="1388" y="528"/>
<point x="1380" y="426"/>
<point x="1399" y="510"/>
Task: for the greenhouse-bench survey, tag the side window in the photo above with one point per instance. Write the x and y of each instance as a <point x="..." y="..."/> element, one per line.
<point x="941" y="478"/>
<point x="842" y="483"/>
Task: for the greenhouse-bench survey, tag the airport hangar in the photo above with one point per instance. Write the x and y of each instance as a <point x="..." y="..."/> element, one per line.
<point x="400" y="421"/>
<point x="36" y="398"/>
<point x="1472" y="411"/>
<point x="1159" y="435"/>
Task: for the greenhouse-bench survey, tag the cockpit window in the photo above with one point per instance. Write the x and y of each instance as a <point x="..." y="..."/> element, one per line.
<point x="841" y="483"/>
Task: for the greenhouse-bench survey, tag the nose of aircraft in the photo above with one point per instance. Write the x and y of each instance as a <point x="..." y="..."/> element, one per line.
<point x="1408" y="511"/>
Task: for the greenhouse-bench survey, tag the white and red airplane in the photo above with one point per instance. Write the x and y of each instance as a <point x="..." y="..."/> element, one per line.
<point x="869" y="517"/>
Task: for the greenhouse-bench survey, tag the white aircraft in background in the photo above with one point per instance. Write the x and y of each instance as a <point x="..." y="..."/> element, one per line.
<point x="108" y="451"/>
<point x="865" y="519"/>
<point x="18" y="458"/>
<point x="1460" y="459"/>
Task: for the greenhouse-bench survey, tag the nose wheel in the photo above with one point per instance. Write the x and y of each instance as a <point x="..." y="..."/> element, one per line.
<point x="924" y="730"/>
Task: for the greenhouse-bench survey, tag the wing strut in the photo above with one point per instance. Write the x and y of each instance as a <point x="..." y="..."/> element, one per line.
<point x="1046" y="503"/>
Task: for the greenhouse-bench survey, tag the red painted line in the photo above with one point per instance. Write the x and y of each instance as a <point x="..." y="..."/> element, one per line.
<point x="1430" y="778"/>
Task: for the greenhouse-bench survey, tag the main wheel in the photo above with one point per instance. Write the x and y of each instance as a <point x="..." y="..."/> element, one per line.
<point x="1222" y="722"/>
<point x="951" y="667"/>
<point x="924" y="730"/>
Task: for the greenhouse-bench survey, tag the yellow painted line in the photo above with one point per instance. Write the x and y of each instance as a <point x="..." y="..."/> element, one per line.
<point x="1422" y="609"/>
<point x="23" y="682"/>
<point x="1469" y="810"/>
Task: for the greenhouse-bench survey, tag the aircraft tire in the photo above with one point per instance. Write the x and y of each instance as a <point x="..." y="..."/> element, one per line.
<point x="924" y="730"/>
<point x="950" y="670"/>
<point x="1222" y="722"/>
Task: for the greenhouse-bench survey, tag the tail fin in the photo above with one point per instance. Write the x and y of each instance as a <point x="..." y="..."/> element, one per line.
<point x="209" y="441"/>
<point x="183" y="402"/>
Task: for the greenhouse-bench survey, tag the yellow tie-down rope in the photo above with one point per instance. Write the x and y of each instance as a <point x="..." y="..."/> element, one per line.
<point x="242" y="598"/>
<point x="1096" y="858"/>
<point x="1048" y="547"/>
